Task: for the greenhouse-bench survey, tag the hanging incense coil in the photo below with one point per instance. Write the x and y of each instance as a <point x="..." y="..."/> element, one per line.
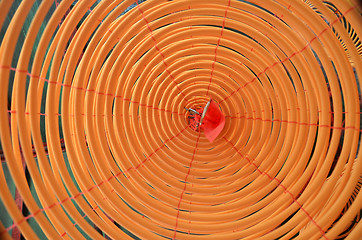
<point x="96" y="141"/>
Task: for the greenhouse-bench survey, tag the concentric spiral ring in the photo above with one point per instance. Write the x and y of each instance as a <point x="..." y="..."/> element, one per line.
<point x="96" y="138"/>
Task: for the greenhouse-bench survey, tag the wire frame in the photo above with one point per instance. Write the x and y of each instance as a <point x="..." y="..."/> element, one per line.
<point x="96" y="141"/>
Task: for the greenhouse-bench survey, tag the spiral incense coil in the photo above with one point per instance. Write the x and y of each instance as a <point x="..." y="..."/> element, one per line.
<point x="96" y="139"/>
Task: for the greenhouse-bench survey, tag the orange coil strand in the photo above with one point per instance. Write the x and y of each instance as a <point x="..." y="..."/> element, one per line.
<point x="104" y="84"/>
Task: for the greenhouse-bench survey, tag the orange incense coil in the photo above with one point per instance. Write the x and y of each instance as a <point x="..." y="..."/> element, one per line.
<point x="95" y="113"/>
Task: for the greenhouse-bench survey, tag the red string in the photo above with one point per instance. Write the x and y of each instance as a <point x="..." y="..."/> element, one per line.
<point x="185" y="185"/>
<point x="87" y="90"/>
<point x="85" y="215"/>
<point x="91" y="188"/>
<point x="217" y="46"/>
<point x="288" y="58"/>
<point x="159" y="51"/>
<point x="180" y="90"/>
<point x="96" y="115"/>
<point x="295" y="122"/>
<point x="155" y="151"/>
<point x="279" y="185"/>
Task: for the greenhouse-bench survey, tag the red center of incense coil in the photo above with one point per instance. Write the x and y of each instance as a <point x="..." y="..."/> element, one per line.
<point x="210" y="119"/>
